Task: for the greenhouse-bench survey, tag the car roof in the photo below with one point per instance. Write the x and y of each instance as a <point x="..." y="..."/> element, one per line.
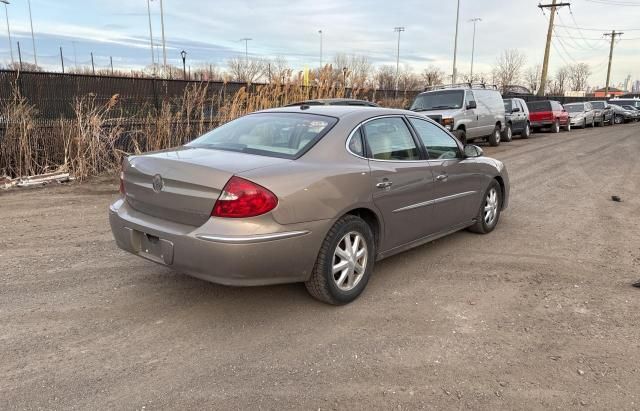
<point x="335" y="101"/>
<point x="342" y="111"/>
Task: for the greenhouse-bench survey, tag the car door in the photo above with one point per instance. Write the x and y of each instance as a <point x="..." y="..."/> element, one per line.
<point x="402" y="181"/>
<point x="458" y="182"/>
<point x="471" y="116"/>
<point x="521" y="116"/>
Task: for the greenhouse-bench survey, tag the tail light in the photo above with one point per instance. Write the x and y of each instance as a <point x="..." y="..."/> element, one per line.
<point x="242" y="198"/>
<point x="122" y="183"/>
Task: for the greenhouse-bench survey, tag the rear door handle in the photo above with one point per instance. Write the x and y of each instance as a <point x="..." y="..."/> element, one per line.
<point x="384" y="184"/>
<point x="442" y="177"/>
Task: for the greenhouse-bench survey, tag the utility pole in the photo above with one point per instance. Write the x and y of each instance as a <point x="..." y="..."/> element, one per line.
<point x="93" y="67"/>
<point x="164" y="44"/>
<point x="6" y="14"/>
<point x="61" y="60"/>
<point x="613" y="35"/>
<point x="153" y="61"/>
<point x="398" y="30"/>
<point x="19" y="56"/>
<point x="246" y="48"/>
<point x="111" y="64"/>
<point x="547" y="49"/>
<point x="473" y="45"/>
<point x="455" y="47"/>
<point x="33" y="38"/>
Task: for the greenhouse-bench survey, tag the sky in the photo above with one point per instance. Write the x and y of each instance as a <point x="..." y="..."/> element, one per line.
<point x="210" y="31"/>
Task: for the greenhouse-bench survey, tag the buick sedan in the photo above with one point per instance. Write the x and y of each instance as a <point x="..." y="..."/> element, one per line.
<point x="312" y="194"/>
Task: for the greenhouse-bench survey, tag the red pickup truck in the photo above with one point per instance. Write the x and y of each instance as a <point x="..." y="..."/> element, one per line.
<point x="549" y="114"/>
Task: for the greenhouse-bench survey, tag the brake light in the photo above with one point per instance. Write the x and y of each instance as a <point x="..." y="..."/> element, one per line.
<point x="242" y="198"/>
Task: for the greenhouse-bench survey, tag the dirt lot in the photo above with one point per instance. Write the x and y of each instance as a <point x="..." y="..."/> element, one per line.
<point x="538" y="314"/>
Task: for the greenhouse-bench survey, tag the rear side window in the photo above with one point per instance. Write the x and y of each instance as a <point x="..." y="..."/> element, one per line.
<point x="284" y="135"/>
<point x="537" y="106"/>
<point x="389" y="138"/>
<point x="356" y="144"/>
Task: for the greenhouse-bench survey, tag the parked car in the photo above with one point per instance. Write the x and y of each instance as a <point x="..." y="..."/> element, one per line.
<point x="334" y="102"/>
<point x="549" y="114"/>
<point x="622" y="115"/>
<point x="470" y="111"/>
<point x="604" y="109"/>
<point x="517" y="118"/>
<point x="311" y="194"/>
<point x="636" y="111"/>
<point x="635" y="101"/>
<point x="582" y="115"/>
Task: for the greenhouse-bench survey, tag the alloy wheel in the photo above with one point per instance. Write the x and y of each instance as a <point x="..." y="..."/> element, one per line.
<point x="349" y="261"/>
<point x="491" y="207"/>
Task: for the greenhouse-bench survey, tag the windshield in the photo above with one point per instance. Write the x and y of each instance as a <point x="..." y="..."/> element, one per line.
<point x="284" y="135"/>
<point x="574" y="108"/>
<point x="438" y="100"/>
<point x="598" y="104"/>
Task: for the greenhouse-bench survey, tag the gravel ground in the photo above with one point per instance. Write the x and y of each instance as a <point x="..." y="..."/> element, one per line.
<point x="538" y="314"/>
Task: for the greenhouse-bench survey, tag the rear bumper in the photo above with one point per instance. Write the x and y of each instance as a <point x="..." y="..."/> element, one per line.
<point x="267" y="255"/>
<point x="542" y="123"/>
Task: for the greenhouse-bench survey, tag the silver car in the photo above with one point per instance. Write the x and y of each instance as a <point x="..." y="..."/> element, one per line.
<point x="583" y="115"/>
<point x="312" y="194"/>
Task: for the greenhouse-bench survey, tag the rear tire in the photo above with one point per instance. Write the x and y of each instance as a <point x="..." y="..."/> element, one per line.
<point x="494" y="138"/>
<point x="526" y="133"/>
<point x="489" y="212"/>
<point x="507" y="134"/>
<point x="337" y="286"/>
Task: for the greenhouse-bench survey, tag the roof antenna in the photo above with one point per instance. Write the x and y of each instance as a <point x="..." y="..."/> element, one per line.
<point x="305" y="107"/>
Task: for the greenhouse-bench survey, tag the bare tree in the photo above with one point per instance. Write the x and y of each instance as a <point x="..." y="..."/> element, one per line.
<point x="246" y="71"/>
<point x="408" y="80"/>
<point x="560" y="80"/>
<point x="358" y="69"/>
<point x="579" y="75"/>
<point x="24" y="67"/>
<point x="278" y="70"/>
<point x="508" y="68"/>
<point x="532" y="77"/>
<point x="385" y="78"/>
<point x="432" y="76"/>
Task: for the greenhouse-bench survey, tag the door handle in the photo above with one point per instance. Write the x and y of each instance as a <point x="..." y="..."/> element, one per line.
<point x="384" y="184"/>
<point x="442" y="177"/>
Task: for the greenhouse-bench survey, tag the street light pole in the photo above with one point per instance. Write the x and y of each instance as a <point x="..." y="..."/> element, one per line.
<point x="183" y="54"/>
<point x="473" y="45"/>
<point x="33" y="38"/>
<point x="455" y="47"/>
<point x="6" y="14"/>
<point x="398" y="30"/>
<point x="320" y="32"/>
<point x="153" y="61"/>
<point x="164" y="44"/>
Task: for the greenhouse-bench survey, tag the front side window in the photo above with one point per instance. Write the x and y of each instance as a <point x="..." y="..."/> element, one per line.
<point x="508" y="106"/>
<point x="284" y="135"/>
<point x="389" y="138"/>
<point x="439" y="144"/>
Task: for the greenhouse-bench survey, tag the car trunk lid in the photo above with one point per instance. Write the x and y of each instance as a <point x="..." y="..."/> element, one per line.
<point x="182" y="185"/>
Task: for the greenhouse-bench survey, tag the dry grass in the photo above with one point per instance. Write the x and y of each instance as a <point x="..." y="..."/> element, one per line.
<point x="95" y="141"/>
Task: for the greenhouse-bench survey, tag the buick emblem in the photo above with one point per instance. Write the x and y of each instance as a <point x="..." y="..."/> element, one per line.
<point x="158" y="184"/>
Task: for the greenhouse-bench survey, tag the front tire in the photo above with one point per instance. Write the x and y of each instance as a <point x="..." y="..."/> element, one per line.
<point x="489" y="212"/>
<point x="494" y="138"/>
<point x="345" y="262"/>
<point x="568" y="126"/>
<point x="555" y="128"/>
<point x="461" y="136"/>
<point x="507" y="134"/>
<point x="619" y="120"/>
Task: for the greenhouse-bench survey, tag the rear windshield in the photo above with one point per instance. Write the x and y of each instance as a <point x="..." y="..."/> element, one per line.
<point x="539" y="106"/>
<point x="438" y="100"/>
<point x="574" y="108"/>
<point x="285" y="135"/>
<point x="598" y="104"/>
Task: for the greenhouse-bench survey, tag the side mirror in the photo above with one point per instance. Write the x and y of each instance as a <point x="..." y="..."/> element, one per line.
<point x="471" y="105"/>
<point x="471" y="151"/>
<point x="516" y="110"/>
